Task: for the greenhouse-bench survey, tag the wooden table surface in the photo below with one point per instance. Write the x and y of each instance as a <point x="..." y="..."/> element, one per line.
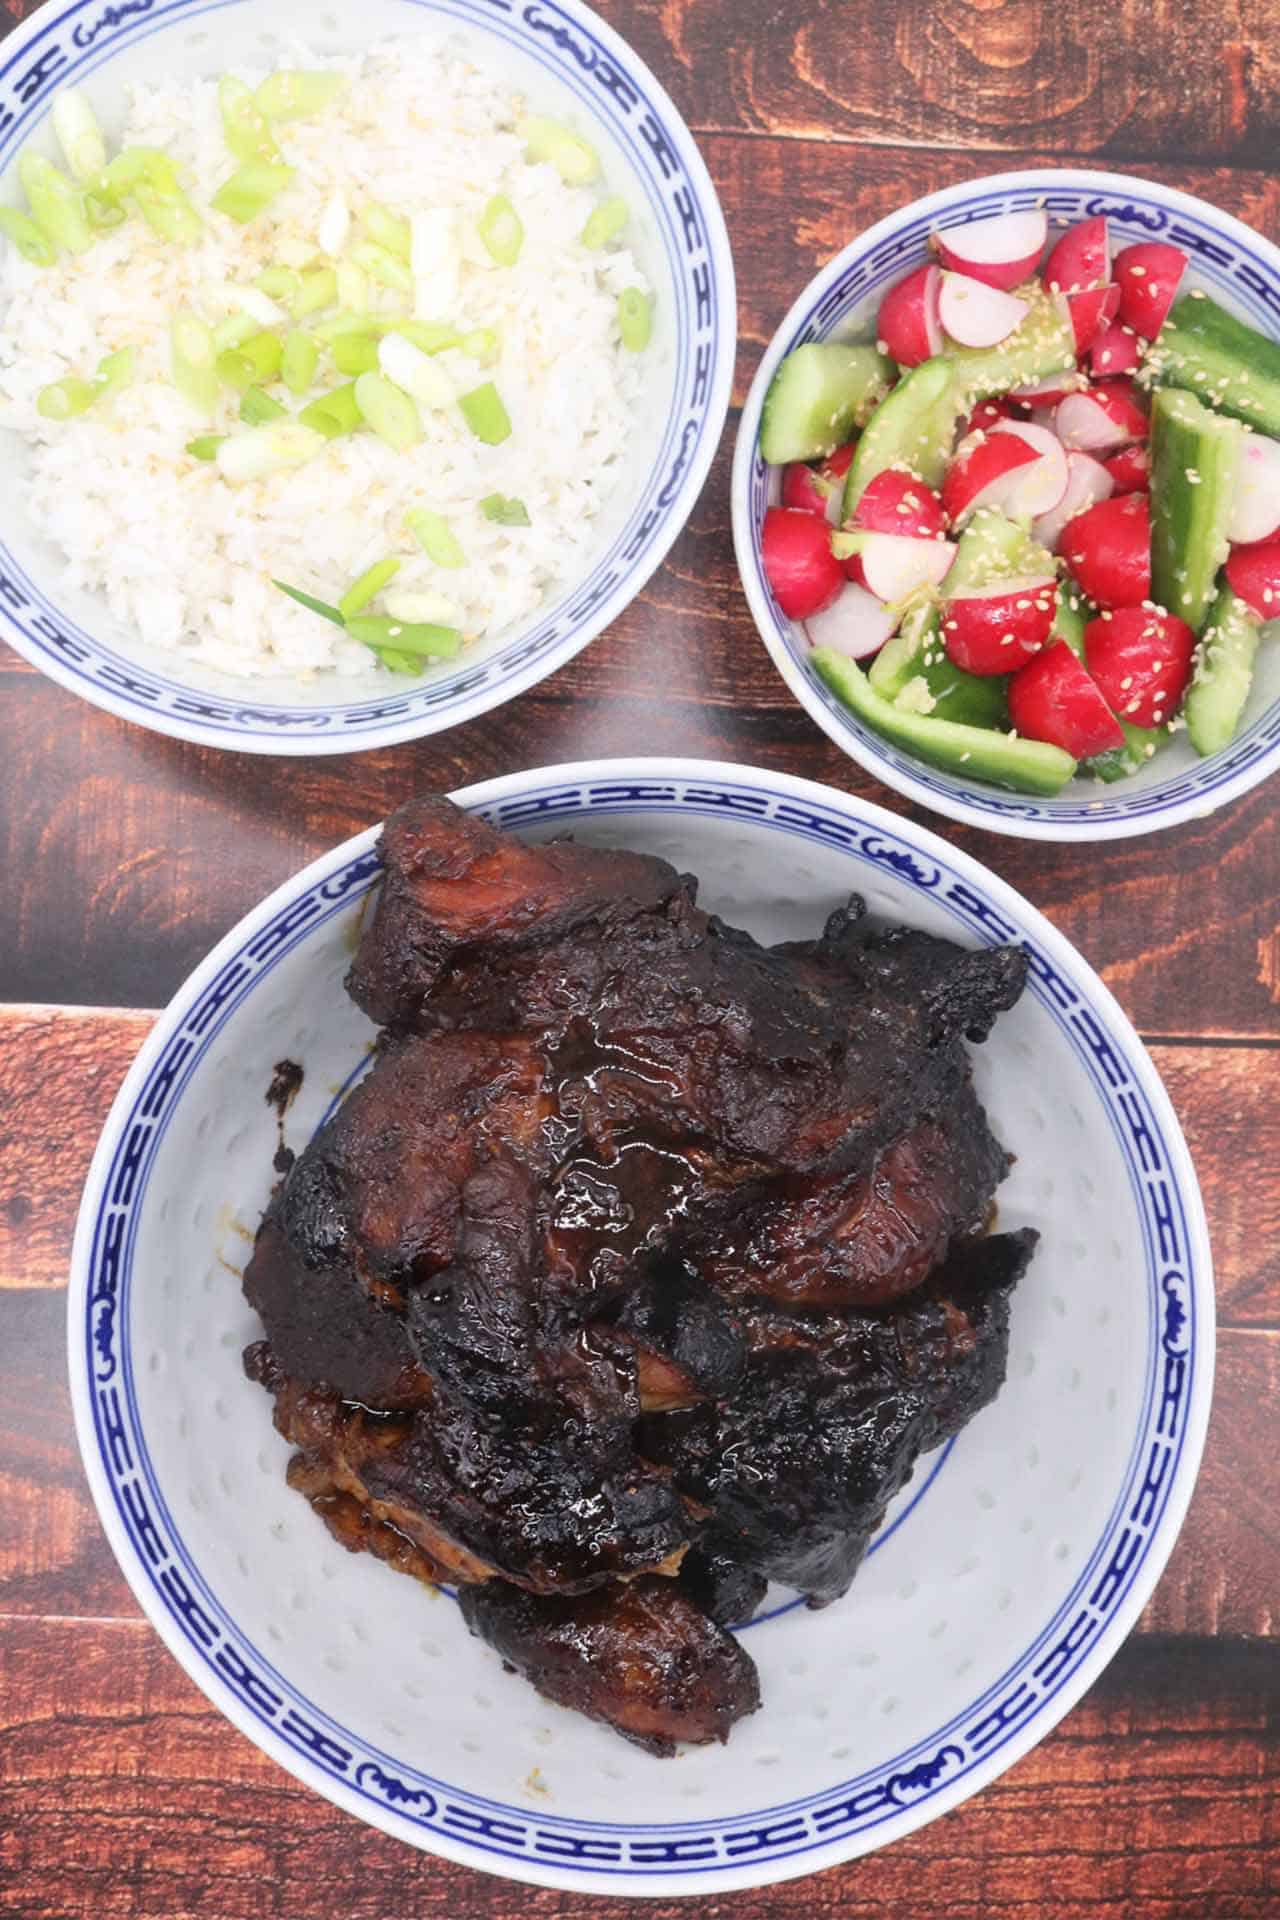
<point x="124" y="856"/>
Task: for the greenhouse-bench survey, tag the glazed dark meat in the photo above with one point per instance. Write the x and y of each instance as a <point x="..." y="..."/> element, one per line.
<point x="642" y="1265"/>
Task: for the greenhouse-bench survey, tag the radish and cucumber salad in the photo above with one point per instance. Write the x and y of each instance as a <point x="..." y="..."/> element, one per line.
<point x="1035" y="528"/>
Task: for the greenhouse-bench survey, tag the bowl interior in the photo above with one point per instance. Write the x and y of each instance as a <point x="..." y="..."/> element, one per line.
<point x="569" y="65"/>
<point x="1231" y="264"/>
<point x="1013" y="1561"/>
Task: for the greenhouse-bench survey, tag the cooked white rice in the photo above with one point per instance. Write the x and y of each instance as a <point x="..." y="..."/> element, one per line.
<point x="185" y="560"/>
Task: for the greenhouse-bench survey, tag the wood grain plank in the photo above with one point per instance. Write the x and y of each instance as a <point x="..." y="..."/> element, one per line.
<point x="122" y="1794"/>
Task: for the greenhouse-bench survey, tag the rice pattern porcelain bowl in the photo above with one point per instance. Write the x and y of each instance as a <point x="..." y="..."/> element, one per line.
<point x="1232" y="264"/>
<point x="569" y="63"/>
<point x="1007" y="1575"/>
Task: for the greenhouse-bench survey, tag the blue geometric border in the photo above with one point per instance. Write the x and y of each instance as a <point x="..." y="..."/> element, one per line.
<point x="569" y="41"/>
<point x="1227" y="258"/>
<point x="1036" y="1687"/>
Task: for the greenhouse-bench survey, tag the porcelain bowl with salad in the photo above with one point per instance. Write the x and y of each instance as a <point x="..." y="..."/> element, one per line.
<point x="1007" y="504"/>
<point x="356" y="367"/>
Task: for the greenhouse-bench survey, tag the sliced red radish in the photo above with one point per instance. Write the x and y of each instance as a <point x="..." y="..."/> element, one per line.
<point x="852" y="567"/>
<point x="986" y="413"/>
<point x="837" y="464"/>
<point x="1254" y="574"/>
<point x="977" y="315"/>
<point x="1255" y="507"/>
<point x="996" y="629"/>
<point x="1148" y="276"/>
<point x="795" y="549"/>
<point x="1090" y="313"/>
<point x="1053" y="699"/>
<point x="806" y="489"/>
<point x="1116" y="350"/>
<point x="1108" y="551"/>
<point x="1130" y="469"/>
<point x="1002" y="251"/>
<point x="1047" y="393"/>
<point x="1087" y="482"/>
<point x="894" y="565"/>
<point x="1100" y="420"/>
<point x="980" y="475"/>
<point x="1140" y="658"/>
<point x="898" y="502"/>
<point x="1041" y="487"/>
<point x="908" y="326"/>
<point x="855" y="624"/>
<point x="1080" y="259"/>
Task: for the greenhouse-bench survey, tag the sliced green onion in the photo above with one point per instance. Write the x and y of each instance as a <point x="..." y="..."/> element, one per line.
<point x="32" y="242"/>
<point x="56" y="206"/>
<point x="116" y="371"/>
<point x="64" y="399"/>
<point x="635" y="319"/>
<point x="367" y="587"/>
<point x="606" y="223"/>
<point x="334" y="413"/>
<point x="419" y="609"/>
<point x="484" y="413"/>
<point x="434" y="535"/>
<point x="481" y="344"/>
<point x="79" y="135"/>
<point x="205" y="446"/>
<point x="310" y="602"/>
<point x="397" y="662"/>
<point x="405" y="636"/>
<point x="266" y="450"/>
<point x="133" y="165"/>
<point x="355" y="353"/>
<point x="574" y="160"/>
<point x="415" y="372"/>
<point x="335" y="225"/>
<point x="244" y="128"/>
<point x="388" y="230"/>
<point x="193" y="359"/>
<point x="251" y="300"/>
<point x="351" y="286"/>
<point x="428" y="336"/>
<point x="344" y="322"/>
<point x="104" y="210"/>
<point x="234" y="331"/>
<point x="501" y="230"/>
<point x="175" y="220"/>
<point x="503" y="511"/>
<point x="293" y="94"/>
<point x="251" y="189"/>
<point x="234" y="370"/>
<point x="257" y="408"/>
<point x="279" y="283"/>
<point x="257" y="359"/>
<point x="299" y="362"/>
<point x="390" y="413"/>
<point x="382" y="266"/>
<point x="317" y="290"/>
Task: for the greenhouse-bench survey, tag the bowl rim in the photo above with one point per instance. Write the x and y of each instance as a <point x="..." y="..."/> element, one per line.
<point x="619" y="783"/>
<point x="955" y="805"/>
<point x="672" y="500"/>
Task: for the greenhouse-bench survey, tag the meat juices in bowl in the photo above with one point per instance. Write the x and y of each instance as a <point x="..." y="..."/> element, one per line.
<point x="643" y="1265"/>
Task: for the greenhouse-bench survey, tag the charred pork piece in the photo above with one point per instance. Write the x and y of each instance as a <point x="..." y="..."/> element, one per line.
<point x="688" y="1344"/>
<point x="640" y="1656"/>
<point x="832" y="1415"/>
<point x="725" y="1590"/>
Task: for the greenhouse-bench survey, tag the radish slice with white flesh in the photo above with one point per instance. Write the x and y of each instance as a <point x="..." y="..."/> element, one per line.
<point x="1037" y="489"/>
<point x="976" y="315"/>
<point x="1090" y="423"/>
<point x="895" y="564"/>
<point x="856" y="624"/>
<point x="983" y="471"/>
<point x="1002" y="251"/>
<point x="1087" y="482"/>
<point x="1255" y="508"/>
<point x="908" y="325"/>
<point x="1047" y="393"/>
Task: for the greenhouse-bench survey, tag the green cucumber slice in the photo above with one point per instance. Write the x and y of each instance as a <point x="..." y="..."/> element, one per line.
<point x="1118" y="763"/>
<point x="1234" y="367"/>
<point x="1224" y="674"/>
<point x="1043" y="343"/>
<point x="817" y="398"/>
<point x="1195" y="457"/>
<point x="993" y="548"/>
<point x="912" y="428"/>
<point x="912" y="670"/>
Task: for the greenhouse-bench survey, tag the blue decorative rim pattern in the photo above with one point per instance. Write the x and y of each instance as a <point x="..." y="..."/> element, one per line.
<point x="771" y="1842"/>
<point x="611" y="84"/>
<point x="1227" y="258"/>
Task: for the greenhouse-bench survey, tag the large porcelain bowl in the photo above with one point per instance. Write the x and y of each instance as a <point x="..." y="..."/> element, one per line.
<point x="1010" y="1570"/>
<point x="1234" y="265"/>
<point x="570" y="63"/>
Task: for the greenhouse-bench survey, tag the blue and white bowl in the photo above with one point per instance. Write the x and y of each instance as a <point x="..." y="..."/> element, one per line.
<point x="569" y="62"/>
<point x="1010" y="1571"/>
<point x="1234" y="265"/>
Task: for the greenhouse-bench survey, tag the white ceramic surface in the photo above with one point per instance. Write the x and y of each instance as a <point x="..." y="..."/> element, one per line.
<point x="1230" y="262"/>
<point x="569" y="63"/>
<point x="1019" y="1559"/>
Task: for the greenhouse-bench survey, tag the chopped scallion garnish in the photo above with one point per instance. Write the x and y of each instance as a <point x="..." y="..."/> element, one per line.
<point x="103" y="209"/>
<point x="481" y="344"/>
<point x="351" y="286"/>
<point x="267" y="450"/>
<point x="257" y="407"/>
<point x="355" y="353"/>
<point x="115" y="372"/>
<point x="234" y="331"/>
<point x="334" y="413"/>
<point x="635" y="319"/>
<point x="317" y="290"/>
<point x="64" y="399"/>
<point x="244" y="127"/>
<point x="173" y="218"/>
<point x="279" y="283"/>
<point x="367" y="587"/>
<point x="57" y="207"/>
<point x="251" y="189"/>
<point x="389" y="411"/>
<point x="310" y="602"/>
<point x="429" y="336"/>
<point x="79" y="135"/>
<point x="606" y="223"/>
<point x="484" y="413"/>
<point x="205" y="446"/>
<point x="415" y="372"/>
<point x="32" y="242"/>
<point x="433" y="534"/>
<point x="573" y="158"/>
<point x="501" y="230"/>
<point x="504" y="512"/>
<point x="388" y="230"/>
<point x="406" y="636"/>
<point x="193" y="360"/>
<point x="293" y="94"/>
<point x="397" y="662"/>
<point x="299" y="362"/>
<point x="133" y="165"/>
<point x="382" y="265"/>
